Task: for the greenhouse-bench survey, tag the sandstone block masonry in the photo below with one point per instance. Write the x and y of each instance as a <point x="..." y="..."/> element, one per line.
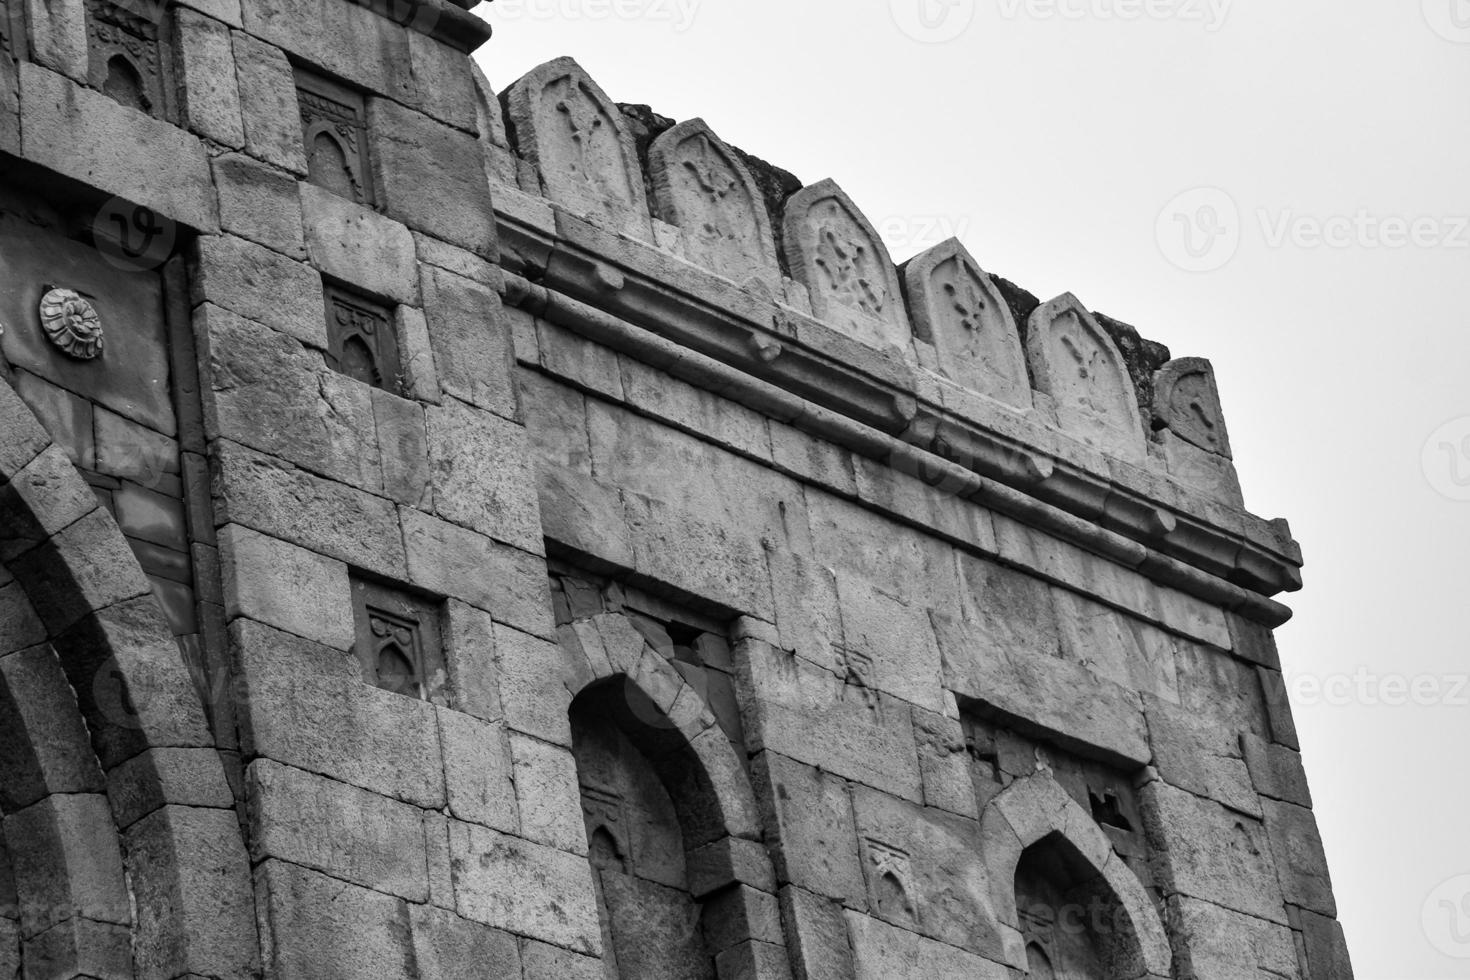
<point x="447" y="535"/>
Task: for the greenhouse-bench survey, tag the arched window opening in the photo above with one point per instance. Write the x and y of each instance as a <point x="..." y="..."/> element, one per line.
<point x="1074" y="926"/>
<point x="641" y="802"/>
<point x="125" y="84"/>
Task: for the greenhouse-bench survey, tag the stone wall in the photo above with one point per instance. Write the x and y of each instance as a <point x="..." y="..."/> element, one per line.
<point x="451" y="535"/>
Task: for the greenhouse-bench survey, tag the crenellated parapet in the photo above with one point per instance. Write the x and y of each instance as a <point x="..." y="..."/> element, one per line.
<point x="797" y="290"/>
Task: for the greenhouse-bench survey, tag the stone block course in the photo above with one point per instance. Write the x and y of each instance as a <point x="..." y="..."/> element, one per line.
<point x="206" y="64"/>
<point x="337" y="829"/>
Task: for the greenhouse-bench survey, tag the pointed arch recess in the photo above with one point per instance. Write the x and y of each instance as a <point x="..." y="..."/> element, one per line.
<point x="1036" y="808"/>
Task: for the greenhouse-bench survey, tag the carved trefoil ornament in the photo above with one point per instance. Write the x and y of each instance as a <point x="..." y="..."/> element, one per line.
<point x="891" y="878"/>
<point x="399" y="642"/>
<point x="836" y="253"/>
<point x="360" y="340"/>
<point x="603" y="812"/>
<point x="575" y="137"/>
<point x="334" y="133"/>
<point x="1077" y="364"/>
<point x="71" y="323"/>
<point x="958" y="310"/>
<point x="1187" y="403"/>
<point x="701" y="186"/>
<point x="126" y="57"/>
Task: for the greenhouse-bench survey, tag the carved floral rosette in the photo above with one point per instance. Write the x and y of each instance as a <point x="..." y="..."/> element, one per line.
<point x="836" y="253"/>
<point x="701" y="187"/>
<point x="1079" y="366"/>
<point x="71" y="324"/>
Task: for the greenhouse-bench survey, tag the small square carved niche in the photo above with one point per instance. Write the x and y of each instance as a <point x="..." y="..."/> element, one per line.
<point x="127" y="58"/>
<point x="360" y="340"/>
<point x="334" y="133"/>
<point x="399" y="641"/>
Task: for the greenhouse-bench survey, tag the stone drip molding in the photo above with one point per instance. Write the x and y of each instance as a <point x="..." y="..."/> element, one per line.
<point x="791" y="303"/>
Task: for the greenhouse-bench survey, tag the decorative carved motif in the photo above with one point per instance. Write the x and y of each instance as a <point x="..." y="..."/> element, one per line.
<point x="334" y="132"/>
<point x="360" y="341"/>
<point x="574" y="135"/>
<point x="71" y="324"/>
<point x="893" y="882"/>
<point x="1079" y="366"/>
<point x="1187" y="403"/>
<point x="126" y="58"/>
<point x="957" y="308"/>
<point x="702" y="187"/>
<point x="858" y="673"/>
<point x="603" y="811"/>
<point x="398" y="642"/>
<point x="834" y="251"/>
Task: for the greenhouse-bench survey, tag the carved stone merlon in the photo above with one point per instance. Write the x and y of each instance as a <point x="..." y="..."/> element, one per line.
<point x="957" y="309"/>
<point x="1187" y="403"/>
<point x="71" y="324"/>
<point x="836" y="253"/>
<point x="1191" y="429"/>
<point x="701" y="186"/>
<point x="1077" y="364"/>
<point x="575" y="137"/>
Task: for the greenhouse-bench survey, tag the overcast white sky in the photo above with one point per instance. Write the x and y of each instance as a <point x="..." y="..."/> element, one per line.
<point x="1322" y="148"/>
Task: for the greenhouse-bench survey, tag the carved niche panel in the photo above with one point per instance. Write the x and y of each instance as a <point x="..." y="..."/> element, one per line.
<point x="126" y="58"/>
<point x="360" y="340"/>
<point x="574" y="135"/>
<point x="399" y="642"/>
<point x="703" y="188"/>
<point x="1187" y="403"/>
<point x="957" y="308"/>
<point x="835" y="252"/>
<point x="1079" y="366"/>
<point x="334" y="133"/>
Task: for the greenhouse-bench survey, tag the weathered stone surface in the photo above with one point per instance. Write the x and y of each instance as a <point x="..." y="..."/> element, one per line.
<point x="478" y="771"/>
<point x="337" y="829"/>
<point x="211" y="96"/>
<point x="1187" y="403"/>
<point x="89" y="137"/>
<point x="1301" y="863"/>
<point x="808" y="714"/>
<point x="320" y="926"/>
<point x="359" y="246"/>
<point x="1326" y="949"/>
<point x="431" y="177"/>
<point x="71" y="863"/>
<point x="268" y="104"/>
<point x="262" y="285"/>
<point x="286" y="587"/>
<point x="1206" y="851"/>
<point x="524" y="888"/>
<point x="817" y="840"/>
<point x="472" y="354"/>
<point x="882" y="951"/>
<point x="702" y="187"/>
<point x="958" y="310"/>
<point x="481" y="470"/>
<point x="545" y="787"/>
<point x="307" y="706"/>
<point x="835" y="252"/>
<point x="447" y="947"/>
<point x="1217" y="942"/>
